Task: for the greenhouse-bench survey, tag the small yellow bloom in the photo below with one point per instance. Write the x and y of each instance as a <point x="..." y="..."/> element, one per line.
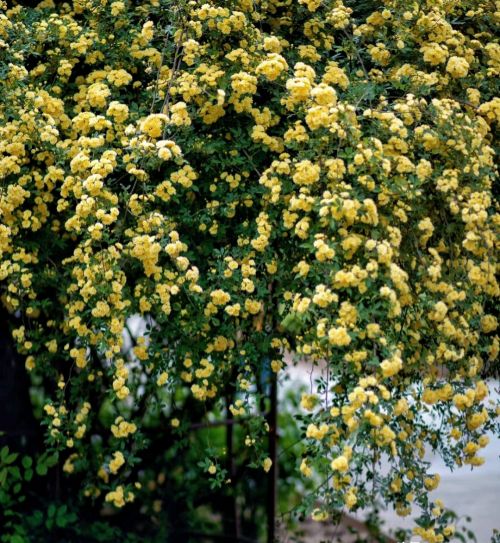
<point x="457" y="67"/>
<point x="340" y="464"/>
<point x="117" y="462"/>
<point x="266" y="464"/>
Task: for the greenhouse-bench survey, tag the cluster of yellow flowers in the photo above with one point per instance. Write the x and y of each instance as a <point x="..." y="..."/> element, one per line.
<point x="245" y="194"/>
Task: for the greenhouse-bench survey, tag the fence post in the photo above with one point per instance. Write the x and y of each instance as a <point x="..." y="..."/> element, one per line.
<point x="231" y="516"/>
<point x="273" y="472"/>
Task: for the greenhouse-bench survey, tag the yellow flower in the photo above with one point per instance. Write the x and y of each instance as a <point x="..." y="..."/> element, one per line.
<point x="117" y="8"/>
<point x="439" y="312"/>
<point x="350" y="498"/>
<point x="340" y="464"/>
<point x="252" y="306"/>
<point x="489" y="323"/>
<point x="244" y="83"/>
<point x="432" y="483"/>
<point x="317" y="433"/>
<point x="306" y="173"/>
<point x="391" y="366"/>
<point x="457" y="67"/>
<point x="434" y="53"/>
<point x="162" y="378"/>
<point x="312" y="5"/>
<point x="117" y="462"/>
<point x="308" y="401"/>
<point x="318" y="515"/>
<point x="68" y="466"/>
<point x="180" y="115"/>
<point x="272" y="66"/>
<point x="338" y="336"/>
<point x="219" y="297"/>
<point x="122" y="429"/>
<point x="152" y="125"/>
<point x="116" y="497"/>
<point x="305" y="468"/>
<point x="97" y="94"/>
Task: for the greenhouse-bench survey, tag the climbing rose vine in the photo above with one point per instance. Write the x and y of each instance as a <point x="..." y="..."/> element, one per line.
<point x="253" y="181"/>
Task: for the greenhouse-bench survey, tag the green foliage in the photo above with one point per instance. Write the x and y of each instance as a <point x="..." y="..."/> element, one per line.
<point x="194" y="195"/>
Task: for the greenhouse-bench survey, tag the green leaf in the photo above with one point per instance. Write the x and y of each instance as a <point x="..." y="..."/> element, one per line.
<point x="107" y="413"/>
<point x="61" y="521"/>
<point x="41" y="468"/>
<point x="9" y="459"/>
<point x="27" y="462"/>
<point x="15" y="472"/>
<point x="52" y="460"/>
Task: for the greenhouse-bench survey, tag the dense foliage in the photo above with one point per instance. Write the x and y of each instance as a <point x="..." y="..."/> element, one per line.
<point x="248" y="179"/>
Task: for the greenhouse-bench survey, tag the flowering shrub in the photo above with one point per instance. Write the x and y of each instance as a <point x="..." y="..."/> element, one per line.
<point x="252" y="178"/>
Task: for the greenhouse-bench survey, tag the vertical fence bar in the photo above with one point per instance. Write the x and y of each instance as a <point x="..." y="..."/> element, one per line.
<point x="273" y="472"/>
<point x="232" y="523"/>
